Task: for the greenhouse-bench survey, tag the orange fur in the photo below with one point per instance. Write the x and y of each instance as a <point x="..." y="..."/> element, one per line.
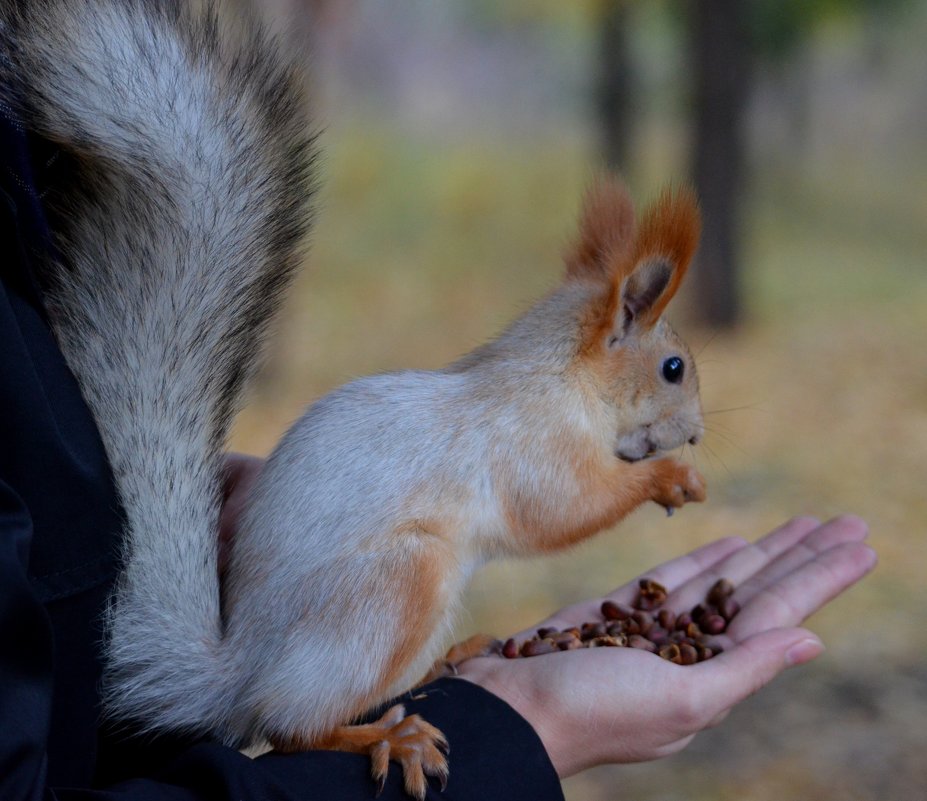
<point x="416" y="745"/>
<point x="610" y="490"/>
<point x="598" y="321"/>
<point x="477" y="645"/>
<point x="413" y="616"/>
<point x="606" y="231"/>
<point x="610" y="250"/>
<point x="417" y="610"/>
<point x="669" y="229"/>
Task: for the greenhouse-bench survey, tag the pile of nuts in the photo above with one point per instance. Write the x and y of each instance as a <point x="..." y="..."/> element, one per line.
<point x="683" y="639"/>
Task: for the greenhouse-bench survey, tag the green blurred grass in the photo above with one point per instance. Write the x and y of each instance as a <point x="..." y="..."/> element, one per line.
<point x="816" y="405"/>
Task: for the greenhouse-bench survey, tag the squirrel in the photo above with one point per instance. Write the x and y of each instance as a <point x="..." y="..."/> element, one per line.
<point x="179" y="222"/>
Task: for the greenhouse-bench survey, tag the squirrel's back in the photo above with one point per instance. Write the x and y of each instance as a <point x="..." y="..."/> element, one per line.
<point x="179" y="222"/>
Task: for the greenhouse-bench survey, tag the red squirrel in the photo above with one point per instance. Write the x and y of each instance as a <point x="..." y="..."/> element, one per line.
<point x="379" y="503"/>
<point x="180" y="229"/>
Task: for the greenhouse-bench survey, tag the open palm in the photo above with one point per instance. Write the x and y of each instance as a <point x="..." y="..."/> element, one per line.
<point x="607" y="705"/>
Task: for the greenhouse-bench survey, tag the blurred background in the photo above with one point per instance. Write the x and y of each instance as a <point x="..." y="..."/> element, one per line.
<point x="458" y="138"/>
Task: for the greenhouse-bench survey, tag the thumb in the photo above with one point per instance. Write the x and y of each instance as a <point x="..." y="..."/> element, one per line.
<point x="751" y="664"/>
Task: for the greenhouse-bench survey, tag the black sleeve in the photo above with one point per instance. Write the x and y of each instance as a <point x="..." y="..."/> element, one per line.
<point x="494" y="755"/>
<point x="25" y="660"/>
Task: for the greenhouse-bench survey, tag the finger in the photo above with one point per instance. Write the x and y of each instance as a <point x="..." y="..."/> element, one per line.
<point x="838" y="531"/>
<point x="718" y="719"/>
<point x="743" y="563"/>
<point x="669" y="574"/>
<point x="732" y="676"/>
<point x="789" y="599"/>
<point x="786" y="535"/>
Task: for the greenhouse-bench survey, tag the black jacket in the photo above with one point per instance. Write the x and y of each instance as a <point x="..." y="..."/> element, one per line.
<point x="60" y="534"/>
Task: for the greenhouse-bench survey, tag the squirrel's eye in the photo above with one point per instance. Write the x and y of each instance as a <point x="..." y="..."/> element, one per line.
<point x="673" y="368"/>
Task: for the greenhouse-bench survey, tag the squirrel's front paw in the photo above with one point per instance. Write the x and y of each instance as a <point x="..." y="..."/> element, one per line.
<point x="676" y="484"/>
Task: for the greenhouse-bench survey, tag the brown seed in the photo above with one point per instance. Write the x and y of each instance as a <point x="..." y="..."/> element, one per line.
<point x="728" y="608"/>
<point x="605" y="642"/>
<point x="616" y="628"/>
<point x="714" y="624"/>
<point x="704" y="652"/>
<point x="538" y="647"/>
<point x="510" y="649"/>
<point x="657" y="634"/>
<point x="642" y="643"/>
<point x="546" y="631"/>
<point x="693" y="630"/>
<point x="643" y="619"/>
<point x="650" y="586"/>
<point x="562" y="637"/>
<point x="683" y="620"/>
<point x="688" y="655"/>
<point x="670" y="652"/>
<point x="720" y="590"/>
<point x="570" y="645"/>
<point x="666" y="618"/>
<point x="591" y="630"/>
<point x="698" y="612"/>
<point x="615" y="611"/>
<point x="651" y="594"/>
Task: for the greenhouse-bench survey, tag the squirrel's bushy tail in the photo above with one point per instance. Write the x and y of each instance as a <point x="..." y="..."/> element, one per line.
<point x="179" y="224"/>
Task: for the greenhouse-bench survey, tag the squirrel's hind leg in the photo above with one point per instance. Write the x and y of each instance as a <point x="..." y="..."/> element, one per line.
<point x="402" y="593"/>
<point x="416" y="745"/>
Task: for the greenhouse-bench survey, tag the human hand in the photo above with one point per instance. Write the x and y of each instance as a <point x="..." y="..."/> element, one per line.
<point x="610" y="705"/>
<point x="241" y="471"/>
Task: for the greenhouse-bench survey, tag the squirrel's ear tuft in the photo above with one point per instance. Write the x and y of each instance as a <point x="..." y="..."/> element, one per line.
<point x="606" y="231"/>
<point x="666" y="241"/>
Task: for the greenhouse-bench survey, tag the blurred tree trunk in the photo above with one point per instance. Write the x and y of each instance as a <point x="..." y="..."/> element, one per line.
<point x="613" y="83"/>
<point x="721" y="60"/>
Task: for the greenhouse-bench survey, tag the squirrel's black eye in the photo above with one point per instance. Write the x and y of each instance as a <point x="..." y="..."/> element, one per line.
<point x="673" y="368"/>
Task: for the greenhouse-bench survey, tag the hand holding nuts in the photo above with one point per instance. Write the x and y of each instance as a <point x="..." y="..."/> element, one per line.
<point x="684" y="639"/>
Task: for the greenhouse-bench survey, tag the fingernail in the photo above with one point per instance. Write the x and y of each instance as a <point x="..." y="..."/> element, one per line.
<point x="804" y="651"/>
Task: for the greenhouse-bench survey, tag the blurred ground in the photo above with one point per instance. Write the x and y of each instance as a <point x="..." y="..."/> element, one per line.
<point x="429" y="241"/>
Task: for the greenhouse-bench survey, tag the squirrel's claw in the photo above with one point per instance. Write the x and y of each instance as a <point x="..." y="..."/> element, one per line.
<point x="415" y="744"/>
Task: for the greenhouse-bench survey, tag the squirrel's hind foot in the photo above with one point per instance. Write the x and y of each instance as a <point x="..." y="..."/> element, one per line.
<point x="418" y="747"/>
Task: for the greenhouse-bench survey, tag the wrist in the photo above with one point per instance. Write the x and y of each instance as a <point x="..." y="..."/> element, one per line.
<point x="539" y="708"/>
<point x="488" y="739"/>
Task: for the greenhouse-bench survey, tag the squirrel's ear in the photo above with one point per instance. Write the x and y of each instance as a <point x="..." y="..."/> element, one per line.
<point x="606" y="231"/>
<point x="666" y="241"/>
